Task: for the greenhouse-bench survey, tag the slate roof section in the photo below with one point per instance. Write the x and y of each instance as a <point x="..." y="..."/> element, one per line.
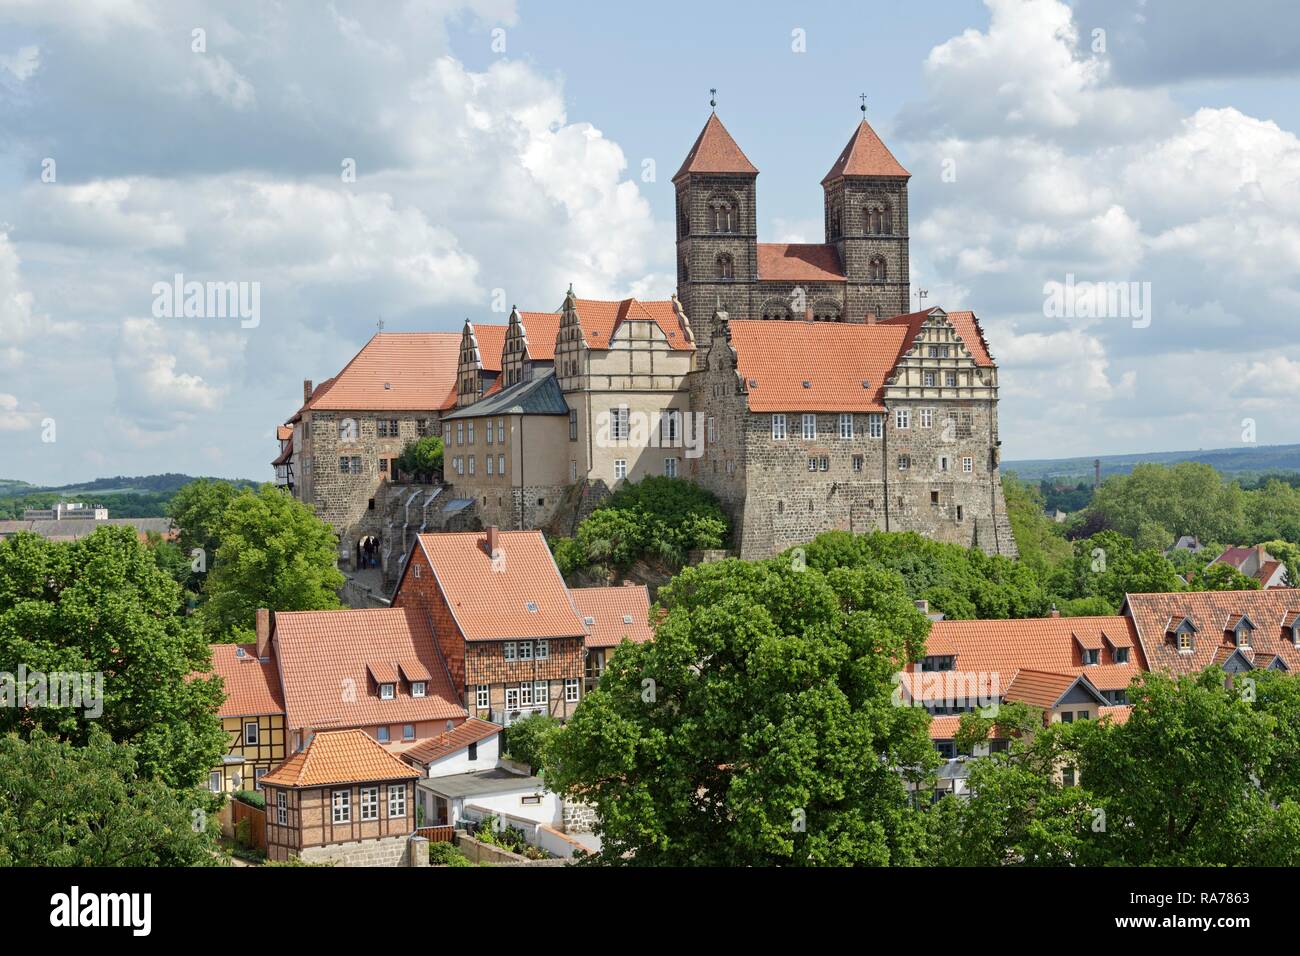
<point x="339" y="757"/>
<point x="611" y="614"/>
<point x="252" y="687"/>
<point x="326" y="659"/>
<point x="539" y="395"/>
<point x="449" y="742"/>
<point x="865" y="154"/>
<point x="521" y="596"/>
<point x="715" y="152"/>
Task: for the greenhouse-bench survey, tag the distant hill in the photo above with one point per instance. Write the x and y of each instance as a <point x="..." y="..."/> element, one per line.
<point x="144" y="496"/>
<point x="1240" y="462"/>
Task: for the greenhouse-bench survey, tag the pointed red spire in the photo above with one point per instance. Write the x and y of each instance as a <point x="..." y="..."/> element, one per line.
<point x="715" y="152"/>
<point x="865" y="155"/>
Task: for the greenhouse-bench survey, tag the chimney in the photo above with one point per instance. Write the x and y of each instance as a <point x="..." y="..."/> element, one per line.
<point x="872" y="316"/>
<point x="922" y="606"/>
<point x="1055" y="612"/>
<point x="263" y="633"/>
<point x="808" y="314"/>
<point x="306" y="389"/>
<point x="493" y="542"/>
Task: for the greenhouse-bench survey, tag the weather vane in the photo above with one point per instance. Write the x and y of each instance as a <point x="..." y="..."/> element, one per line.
<point x="713" y="98"/>
<point x="863" y="107"/>
<point x="380" y="324"/>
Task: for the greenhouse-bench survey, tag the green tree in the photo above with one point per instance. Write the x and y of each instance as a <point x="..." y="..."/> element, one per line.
<point x="758" y="727"/>
<point x="101" y="606"/>
<point x="1221" y="577"/>
<point x="63" y="805"/>
<point x="275" y="553"/>
<point x="1039" y="540"/>
<point x="1108" y="566"/>
<point x="198" y="510"/>
<point x="526" y="740"/>
<point x="422" y="459"/>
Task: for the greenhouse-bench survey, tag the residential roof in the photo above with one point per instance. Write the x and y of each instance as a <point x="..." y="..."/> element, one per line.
<point x="326" y="660"/>
<point x="74" y="529"/>
<point x="540" y="330"/>
<point x="521" y="595"/>
<point x="1118" y="713"/>
<point x="458" y="738"/>
<point x="419" y="369"/>
<point x="964" y="324"/>
<point x="482" y="784"/>
<point x="715" y="151"/>
<point x="1208" y="611"/>
<point x="539" y="395"/>
<point x="341" y="756"/>
<point x="845" y="364"/>
<point x="865" y="155"/>
<point x="252" y="686"/>
<point x="601" y="320"/>
<point x="799" y="262"/>
<point x="614" y="613"/>
<point x="1045" y="688"/>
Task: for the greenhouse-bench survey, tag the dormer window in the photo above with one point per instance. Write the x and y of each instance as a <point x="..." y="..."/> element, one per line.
<point x="387" y="691"/>
<point x="418" y="688"/>
<point x="1243" y="636"/>
<point x="1185" y="641"/>
<point x="1120" y="654"/>
<point x="1091" y="656"/>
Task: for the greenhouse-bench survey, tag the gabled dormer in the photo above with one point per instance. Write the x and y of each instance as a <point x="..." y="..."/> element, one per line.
<point x="1090" y="647"/>
<point x="1239" y="629"/>
<point x="1291" y="627"/>
<point x="1120" y="646"/>
<point x="1181" y="633"/>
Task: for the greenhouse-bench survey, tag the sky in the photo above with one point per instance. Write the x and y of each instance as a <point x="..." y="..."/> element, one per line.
<point x="421" y="163"/>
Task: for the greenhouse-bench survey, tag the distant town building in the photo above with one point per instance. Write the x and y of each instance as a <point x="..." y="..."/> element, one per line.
<point x="1256" y="563"/>
<point x="69" y="510"/>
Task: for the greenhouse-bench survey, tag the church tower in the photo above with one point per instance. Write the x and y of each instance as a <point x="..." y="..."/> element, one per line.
<point x="717" y="229"/>
<point x="866" y="221"/>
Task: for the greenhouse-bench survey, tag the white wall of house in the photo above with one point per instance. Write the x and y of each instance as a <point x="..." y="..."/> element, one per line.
<point x="511" y="804"/>
<point x="489" y="751"/>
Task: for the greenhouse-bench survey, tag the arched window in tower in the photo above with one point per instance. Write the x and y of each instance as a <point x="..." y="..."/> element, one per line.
<point x="877" y="269"/>
<point x="726" y="266"/>
<point x="724" y="217"/>
<point x="886" y="220"/>
<point x="835" y="223"/>
<point x="875" y="220"/>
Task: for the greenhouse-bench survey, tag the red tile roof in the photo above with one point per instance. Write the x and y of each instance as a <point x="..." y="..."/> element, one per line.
<point x="458" y="738"/>
<point x="540" y="330"/>
<point x="865" y="155"/>
<point x="1118" y="713"/>
<point x="252" y="688"/>
<point x="341" y="756"/>
<point x="963" y="323"/>
<point x="715" y="152"/>
<point x="327" y="658"/>
<point x="491" y="341"/>
<point x="614" y="613"/>
<point x="520" y="596"/>
<point x="284" y="433"/>
<point x="600" y="321"/>
<point x="799" y="262"/>
<point x="1040" y="688"/>
<point x="1208" y="611"/>
<point x="419" y="367"/>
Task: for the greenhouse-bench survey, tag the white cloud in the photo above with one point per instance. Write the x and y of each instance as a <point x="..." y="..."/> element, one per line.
<point x="23" y="64"/>
<point x="12" y="417"/>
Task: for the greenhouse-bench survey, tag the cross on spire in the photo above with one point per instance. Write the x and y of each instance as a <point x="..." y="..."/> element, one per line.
<point x="863" y="107"/>
<point x="713" y="98"/>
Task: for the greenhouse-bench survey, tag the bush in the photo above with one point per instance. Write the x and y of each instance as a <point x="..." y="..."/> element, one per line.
<point x="526" y="739"/>
<point x="421" y="459"/>
<point x="446" y="854"/>
<point x="250" y="797"/>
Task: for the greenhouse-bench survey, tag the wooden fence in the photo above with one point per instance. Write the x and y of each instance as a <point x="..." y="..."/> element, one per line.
<point x="256" y="823"/>
<point x="437" y="834"/>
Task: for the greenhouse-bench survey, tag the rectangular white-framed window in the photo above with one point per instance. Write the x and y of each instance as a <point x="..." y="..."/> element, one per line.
<point x="927" y="379"/>
<point x="543" y="650"/>
<point x="215" y="781"/>
<point x="525" y="650"/>
<point x="541" y="693"/>
<point x="904" y="462"/>
<point x="875" y="425"/>
<point x="419" y="688"/>
<point x="501" y="431"/>
<point x="281" y="808"/>
<point x="341" y="806"/>
<point x="669" y="427"/>
<point x="396" y="801"/>
<point x="846" y="425"/>
<point x="618" y="423"/>
<point x="571" y="690"/>
<point x="857" y="462"/>
<point x="670" y="467"/>
<point x="812" y="464"/>
<point x="950" y="379"/>
<point x="525" y="694"/>
<point x="512" y="698"/>
<point x="491" y="464"/>
<point x="369" y="803"/>
<point x="711" y="429"/>
<point x="809" y="424"/>
<point x="620" y="469"/>
<point x="460" y="433"/>
<point x="471" y="464"/>
<point x="927" y="418"/>
<point x="482" y="700"/>
<point x="778" y="428"/>
<point x="508" y="650"/>
<point x="258" y="774"/>
<point x="968" y="465"/>
<point x="386" y="691"/>
<point x="469" y="432"/>
<point x="501" y="464"/>
<point x="250" y="733"/>
<point x="903" y="418"/>
<point x="446" y="433"/>
<point x="489" y="432"/>
<point x="382" y="735"/>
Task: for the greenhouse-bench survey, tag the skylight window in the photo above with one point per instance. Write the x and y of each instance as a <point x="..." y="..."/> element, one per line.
<point x="532" y="607"/>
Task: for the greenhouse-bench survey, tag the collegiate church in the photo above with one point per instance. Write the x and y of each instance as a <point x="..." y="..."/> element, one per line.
<point x="792" y="380"/>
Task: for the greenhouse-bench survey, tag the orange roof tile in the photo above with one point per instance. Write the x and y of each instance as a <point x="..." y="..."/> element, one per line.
<point x="1041" y="688"/>
<point x="963" y="323"/>
<point x="1154" y="614"/>
<point x="799" y="262"/>
<point x="614" y="613"/>
<point x="540" y="330"/>
<point x="600" y="321"/>
<point x="458" y="738"/>
<point x="340" y="756"/>
<point x="775" y="358"/>
<point x="491" y="341"/>
<point x="1118" y="713"/>
<point x="326" y="659"/>
<point x="715" y="152"/>
<point x="865" y="155"/>
<point x="419" y="368"/>
<point x="520" y="596"/>
<point x="284" y="433"/>
<point x="944" y="727"/>
<point x="252" y="687"/>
